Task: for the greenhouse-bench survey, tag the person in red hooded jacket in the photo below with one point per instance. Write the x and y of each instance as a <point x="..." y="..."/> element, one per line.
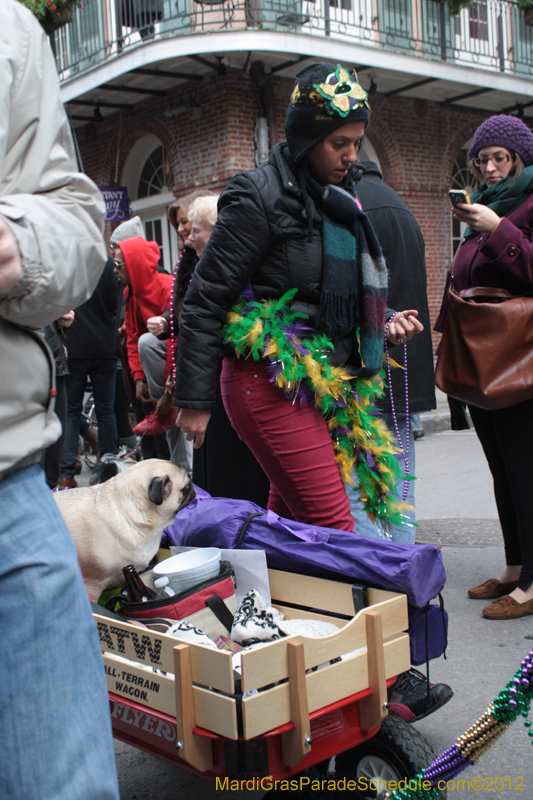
<point x="146" y="295"/>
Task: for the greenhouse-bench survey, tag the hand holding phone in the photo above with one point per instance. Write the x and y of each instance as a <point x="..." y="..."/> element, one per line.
<point x="479" y="217"/>
<point x="458" y="196"/>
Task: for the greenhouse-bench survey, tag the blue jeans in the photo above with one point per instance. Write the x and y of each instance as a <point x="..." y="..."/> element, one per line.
<point x="102" y="372"/>
<point x="54" y="710"/>
<point x="400" y="533"/>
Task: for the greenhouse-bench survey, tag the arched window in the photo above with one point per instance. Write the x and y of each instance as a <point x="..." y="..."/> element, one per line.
<point x="462" y="178"/>
<point x="148" y="175"/>
<point x="156" y="176"/>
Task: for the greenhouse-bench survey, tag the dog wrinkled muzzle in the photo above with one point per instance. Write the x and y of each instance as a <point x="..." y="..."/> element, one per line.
<point x="188" y="494"/>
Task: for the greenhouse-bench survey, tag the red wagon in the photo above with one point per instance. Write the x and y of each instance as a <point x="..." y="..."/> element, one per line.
<point x="301" y="702"/>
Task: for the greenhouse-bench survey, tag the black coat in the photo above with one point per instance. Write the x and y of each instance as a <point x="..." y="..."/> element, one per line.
<point x="94" y="330"/>
<point x="402" y="244"/>
<point x="183" y="274"/>
<point x="261" y="236"/>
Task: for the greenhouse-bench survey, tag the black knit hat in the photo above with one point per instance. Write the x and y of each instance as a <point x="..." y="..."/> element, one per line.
<point x="323" y="99"/>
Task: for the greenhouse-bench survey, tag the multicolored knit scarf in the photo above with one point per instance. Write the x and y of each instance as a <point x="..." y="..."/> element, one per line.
<point x="299" y="365"/>
<point x="354" y="283"/>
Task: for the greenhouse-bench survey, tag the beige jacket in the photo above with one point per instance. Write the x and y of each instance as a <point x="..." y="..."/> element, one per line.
<point x="56" y="215"/>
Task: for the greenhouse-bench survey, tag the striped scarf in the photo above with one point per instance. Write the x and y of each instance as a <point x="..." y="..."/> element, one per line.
<point x="354" y="282"/>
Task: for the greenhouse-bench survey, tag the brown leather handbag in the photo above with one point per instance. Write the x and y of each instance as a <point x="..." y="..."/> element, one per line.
<point x="486" y="352"/>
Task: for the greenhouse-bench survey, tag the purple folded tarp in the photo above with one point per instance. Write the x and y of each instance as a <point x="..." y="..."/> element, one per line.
<point x="414" y="570"/>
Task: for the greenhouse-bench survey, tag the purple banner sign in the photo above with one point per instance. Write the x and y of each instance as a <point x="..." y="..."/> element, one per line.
<point x="117" y="207"/>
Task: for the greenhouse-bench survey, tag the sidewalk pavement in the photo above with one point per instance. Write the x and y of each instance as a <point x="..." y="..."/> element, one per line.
<point x="438" y="419"/>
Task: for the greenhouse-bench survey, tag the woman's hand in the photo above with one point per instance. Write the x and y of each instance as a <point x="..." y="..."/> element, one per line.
<point x="141" y="391"/>
<point x="193" y="423"/>
<point x="165" y="403"/>
<point x="480" y="218"/>
<point x="404" y="326"/>
<point x="66" y="320"/>
<point x="157" y="325"/>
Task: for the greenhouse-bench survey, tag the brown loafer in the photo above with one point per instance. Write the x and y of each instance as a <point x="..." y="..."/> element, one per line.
<point x="490" y="589"/>
<point x="508" y="608"/>
<point x="67" y="483"/>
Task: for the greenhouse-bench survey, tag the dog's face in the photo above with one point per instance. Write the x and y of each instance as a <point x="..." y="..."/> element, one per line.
<point x="160" y="486"/>
<point x="120" y="521"/>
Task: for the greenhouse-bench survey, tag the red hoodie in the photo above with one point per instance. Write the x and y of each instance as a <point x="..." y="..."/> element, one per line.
<point x="147" y="295"/>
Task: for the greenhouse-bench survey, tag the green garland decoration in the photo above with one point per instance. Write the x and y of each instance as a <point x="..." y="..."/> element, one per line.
<point x="513" y="701"/>
<point x="300" y="366"/>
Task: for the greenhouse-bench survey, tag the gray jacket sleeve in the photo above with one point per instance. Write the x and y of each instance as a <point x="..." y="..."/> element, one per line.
<point x="55" y="212"/>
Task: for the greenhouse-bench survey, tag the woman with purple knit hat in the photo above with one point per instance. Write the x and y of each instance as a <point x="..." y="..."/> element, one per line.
<point x="497" y="251"/>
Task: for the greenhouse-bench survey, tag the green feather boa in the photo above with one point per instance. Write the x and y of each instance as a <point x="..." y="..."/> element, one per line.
<point x="300" y="366"/>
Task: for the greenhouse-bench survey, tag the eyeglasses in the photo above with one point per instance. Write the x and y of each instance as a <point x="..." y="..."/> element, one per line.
<point x="497" y="160"/>
<point x="118" y="263"/>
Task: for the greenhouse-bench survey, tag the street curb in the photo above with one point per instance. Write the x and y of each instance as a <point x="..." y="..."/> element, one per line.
<point x="435" y="421"/>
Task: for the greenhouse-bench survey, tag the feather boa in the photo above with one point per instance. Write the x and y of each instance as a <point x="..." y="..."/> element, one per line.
<point x="299" y="365"/>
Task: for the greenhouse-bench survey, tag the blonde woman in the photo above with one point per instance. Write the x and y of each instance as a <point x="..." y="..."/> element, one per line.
<point x="241" y="477"/>
<point x="153" y="349"/>
<point x="203" y="216"/>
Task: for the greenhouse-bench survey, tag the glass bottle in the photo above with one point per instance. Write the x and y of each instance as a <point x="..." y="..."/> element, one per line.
<point x="137" y="590"/>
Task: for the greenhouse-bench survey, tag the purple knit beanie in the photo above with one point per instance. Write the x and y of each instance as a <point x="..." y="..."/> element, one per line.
<point x="505" y="131"/>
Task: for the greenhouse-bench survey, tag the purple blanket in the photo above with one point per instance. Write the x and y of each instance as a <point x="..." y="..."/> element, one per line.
<point x="414" y="570"/>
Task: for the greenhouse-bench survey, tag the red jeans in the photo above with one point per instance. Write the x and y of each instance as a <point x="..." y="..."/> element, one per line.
<point x="291" y="443"/>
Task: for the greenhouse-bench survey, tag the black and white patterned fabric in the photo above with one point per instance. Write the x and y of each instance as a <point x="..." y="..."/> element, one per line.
<point x="186" y="632"/>
<point x="253" y="623"/>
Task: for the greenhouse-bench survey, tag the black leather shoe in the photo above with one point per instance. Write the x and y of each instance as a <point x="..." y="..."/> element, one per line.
<point x="410" y="699"/>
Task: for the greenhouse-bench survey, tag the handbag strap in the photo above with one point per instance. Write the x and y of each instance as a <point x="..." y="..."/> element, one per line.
<point x="245" y="527"/>
<point x="220" y="610"/>
<point x="487" y="291"/>
<point x="114" y="599"/>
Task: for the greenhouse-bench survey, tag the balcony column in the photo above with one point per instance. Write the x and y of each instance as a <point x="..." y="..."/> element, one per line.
<point x="442" y="21"/>
<point x="500" y="39"/>
<point x="268" y="100"/>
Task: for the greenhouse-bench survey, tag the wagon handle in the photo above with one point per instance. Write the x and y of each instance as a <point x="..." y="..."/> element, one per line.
<point x="194" y="749"/>
<point x="296" y="743"/>
<point x="374" y="708"/>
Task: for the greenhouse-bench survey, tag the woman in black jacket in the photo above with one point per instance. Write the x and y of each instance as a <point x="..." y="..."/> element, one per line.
<point x="292" y="226"/>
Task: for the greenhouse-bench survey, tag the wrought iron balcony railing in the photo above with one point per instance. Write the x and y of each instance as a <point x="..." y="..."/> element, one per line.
<point x="490" y="34"/>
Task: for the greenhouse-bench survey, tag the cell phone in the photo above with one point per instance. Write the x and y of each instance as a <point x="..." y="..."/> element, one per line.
<point x="458" y="196"/>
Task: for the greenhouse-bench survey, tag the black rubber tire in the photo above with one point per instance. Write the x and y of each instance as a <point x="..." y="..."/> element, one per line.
<point x="398" y="744"/>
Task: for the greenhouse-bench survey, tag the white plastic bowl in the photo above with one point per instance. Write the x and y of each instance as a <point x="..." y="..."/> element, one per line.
<point x="180" y="583"/>
<point x="189" y="568"/>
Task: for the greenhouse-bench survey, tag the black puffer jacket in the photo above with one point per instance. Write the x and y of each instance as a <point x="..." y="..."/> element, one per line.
<point x="262" y="236"/>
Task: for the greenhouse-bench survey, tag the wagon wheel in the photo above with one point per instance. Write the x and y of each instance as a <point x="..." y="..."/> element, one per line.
<point x="397" y="751"/>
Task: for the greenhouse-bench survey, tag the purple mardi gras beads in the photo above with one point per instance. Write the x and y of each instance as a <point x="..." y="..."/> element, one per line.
<point x="404" y="447"/>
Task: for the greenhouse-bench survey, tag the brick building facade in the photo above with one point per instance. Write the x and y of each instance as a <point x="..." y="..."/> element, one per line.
<point x="207" y="132"/>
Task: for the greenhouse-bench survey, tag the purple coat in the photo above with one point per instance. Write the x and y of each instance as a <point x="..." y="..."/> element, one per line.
<point x="503" y="259"/>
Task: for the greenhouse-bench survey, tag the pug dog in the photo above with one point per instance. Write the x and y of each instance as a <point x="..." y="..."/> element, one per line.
<point x="121" y="521"/>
